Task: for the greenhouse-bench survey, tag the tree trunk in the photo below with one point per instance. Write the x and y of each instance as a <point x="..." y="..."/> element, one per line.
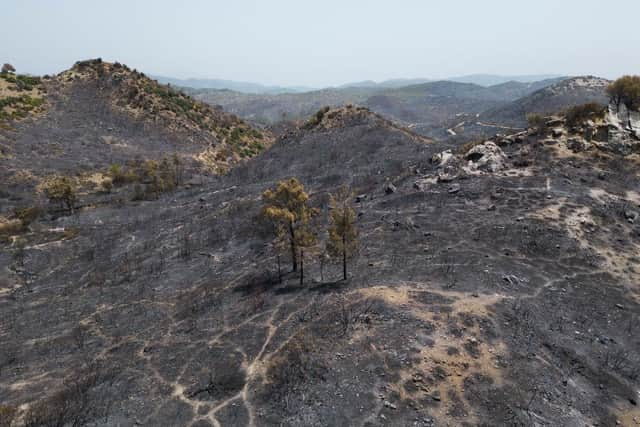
<point x="344" y="258"/>
<point x="279" y="270"/>
<point x="294" y="255"/>
<point x="344" y="265"/>
<point x="301" y="267"/>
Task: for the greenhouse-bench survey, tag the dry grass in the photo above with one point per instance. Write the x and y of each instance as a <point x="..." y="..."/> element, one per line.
<point x="465" y="148"/>
<point x="439" y="360"/>
<point x="9" y="228"/>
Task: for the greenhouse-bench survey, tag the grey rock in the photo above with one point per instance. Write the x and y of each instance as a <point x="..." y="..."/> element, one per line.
<point x="446" y="177"/>
<point x="630" y="215"/>
<point x="390" y="405"/>
<point x="578" y="144"/>
<point x="487" y="157"/>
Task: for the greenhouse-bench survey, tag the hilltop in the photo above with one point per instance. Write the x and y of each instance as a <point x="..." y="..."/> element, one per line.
<point x="548" y="100"/>
<point x="133" y="93"/>
<point x="101" y="124"/>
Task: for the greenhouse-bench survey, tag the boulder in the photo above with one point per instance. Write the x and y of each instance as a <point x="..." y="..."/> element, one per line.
<point x="443" y="158"/>
<point x="390" y="188"/>
<point x="446" y="177"/>
<point x="422" y="184"/>
<point x="486" y="157"/>
<point x="578" y="144"/>
<point x="631" y="216"/>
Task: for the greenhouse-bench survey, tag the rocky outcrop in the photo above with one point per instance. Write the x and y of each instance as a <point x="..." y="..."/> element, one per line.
<point x="623" y="130"/>
<point x="617" y="130"/>
<point x="483" y="158"/>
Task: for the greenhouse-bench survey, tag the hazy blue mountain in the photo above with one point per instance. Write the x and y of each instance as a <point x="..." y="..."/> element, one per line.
<point x="391" y="83"/>
<point x="493" y="79"/>
<point x="243" y="87"/>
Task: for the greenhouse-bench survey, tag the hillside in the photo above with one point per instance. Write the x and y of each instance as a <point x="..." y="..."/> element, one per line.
<point x="556" y="97"/>
<point x="270" y="109"/>
<point x="429" y="108"/>
<point x="434" y="102"/>
<point x="96" y="116"/>
<point x="495" y="284"/>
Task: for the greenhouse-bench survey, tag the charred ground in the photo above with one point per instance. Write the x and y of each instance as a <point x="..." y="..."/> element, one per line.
<point x="478" y="298"/>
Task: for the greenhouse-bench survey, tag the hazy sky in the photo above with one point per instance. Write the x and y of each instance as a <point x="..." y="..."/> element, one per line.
<point x="325" y="42"/>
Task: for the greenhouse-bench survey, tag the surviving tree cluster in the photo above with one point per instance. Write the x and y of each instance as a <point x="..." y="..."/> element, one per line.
<point x="286" y="207"/>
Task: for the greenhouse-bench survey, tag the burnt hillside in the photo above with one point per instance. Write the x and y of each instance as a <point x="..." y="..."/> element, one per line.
<point x="496" y="284"/>
<point x="96" y="115"/>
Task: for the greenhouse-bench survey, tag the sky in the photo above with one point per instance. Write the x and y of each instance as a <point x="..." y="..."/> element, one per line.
<point x="327" y="42"/>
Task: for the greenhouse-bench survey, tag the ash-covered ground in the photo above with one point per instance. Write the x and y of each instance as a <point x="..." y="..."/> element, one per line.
<point x="489" y="298"/>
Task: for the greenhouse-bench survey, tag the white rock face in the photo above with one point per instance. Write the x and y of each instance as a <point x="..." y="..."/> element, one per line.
<point x="624" y="119"/>
<point x="624" y="129"/>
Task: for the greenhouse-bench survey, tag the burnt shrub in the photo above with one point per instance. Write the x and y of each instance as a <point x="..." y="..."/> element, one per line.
<point x="8" y="228"/>
<point x="27" y="215"/>
<point x="465" y="148"/>
<point x="85" y="397"/>
<point x="299" y="363"/>
<point x="536" y="122"/>
<point x="316" y="118"/>
<point x="62" y="190"/>
<point x="577" y="115"/>
<point x="7" y="415"/>
<point x="121" y="175"/>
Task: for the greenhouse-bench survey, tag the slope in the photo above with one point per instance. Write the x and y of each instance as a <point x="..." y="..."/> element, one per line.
<point x="502" y="295"/>
<point x="557" y="97"/>
<point x="98" y="114"/>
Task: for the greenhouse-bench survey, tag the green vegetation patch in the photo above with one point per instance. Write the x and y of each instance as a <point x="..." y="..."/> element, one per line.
<point x="579" y="114"/>
<point x="22" y="81"/>
<point x="17" y="107"/>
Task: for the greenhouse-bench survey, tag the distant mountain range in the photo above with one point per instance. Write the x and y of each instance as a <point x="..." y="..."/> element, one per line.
<point x="243" y="87"/>
<point x="493" y="79"/>
<point x="385" y="84"/>
<point x="437" y="109"/>
<point x="257" y="88"/>
<point x="425" y="103"/>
